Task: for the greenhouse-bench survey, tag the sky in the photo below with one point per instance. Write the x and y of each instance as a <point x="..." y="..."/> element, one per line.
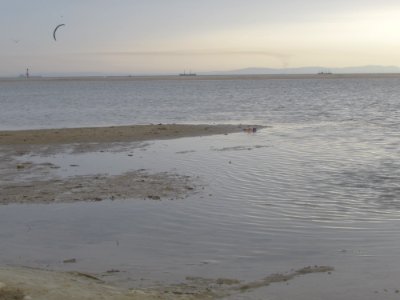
<point x="170" y="36"/>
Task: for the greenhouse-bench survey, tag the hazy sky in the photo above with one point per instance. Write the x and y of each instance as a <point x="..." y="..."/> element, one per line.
<point x="151" y="36"/>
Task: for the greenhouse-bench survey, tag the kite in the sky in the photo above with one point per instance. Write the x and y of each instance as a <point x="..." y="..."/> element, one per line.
<point x="55" y="30"/>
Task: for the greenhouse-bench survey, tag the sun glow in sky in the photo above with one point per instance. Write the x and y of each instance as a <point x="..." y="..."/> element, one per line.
<point x="159" y="36"/>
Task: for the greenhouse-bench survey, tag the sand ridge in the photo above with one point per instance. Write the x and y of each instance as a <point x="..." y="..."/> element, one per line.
<point x="113" y="134"/>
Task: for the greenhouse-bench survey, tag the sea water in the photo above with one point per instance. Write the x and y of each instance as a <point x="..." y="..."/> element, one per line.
<point x="319" y="186"/>
<point x="57" y="103"/>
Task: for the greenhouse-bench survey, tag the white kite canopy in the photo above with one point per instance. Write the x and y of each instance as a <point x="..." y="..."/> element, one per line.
<point x="55" y="30"/>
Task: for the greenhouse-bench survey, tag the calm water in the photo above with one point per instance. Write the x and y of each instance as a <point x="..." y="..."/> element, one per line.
<point x="321" y="186"/>
<point x="76" y="103"/>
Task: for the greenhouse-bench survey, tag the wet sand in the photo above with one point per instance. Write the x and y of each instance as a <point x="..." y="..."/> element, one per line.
<point x="131" y="185"/>
<point x="136" y="184"/>
<point x="112" y="134"/>
<point x="29" y="283"/>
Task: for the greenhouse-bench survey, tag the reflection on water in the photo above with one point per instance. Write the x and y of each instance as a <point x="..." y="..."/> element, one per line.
<point x="283" y="198"/>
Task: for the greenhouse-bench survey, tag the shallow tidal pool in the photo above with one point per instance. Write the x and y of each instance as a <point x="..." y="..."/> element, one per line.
<point x="286" y="197"/>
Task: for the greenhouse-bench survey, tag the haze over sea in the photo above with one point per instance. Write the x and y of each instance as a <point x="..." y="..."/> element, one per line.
<point x="319" y="185"/>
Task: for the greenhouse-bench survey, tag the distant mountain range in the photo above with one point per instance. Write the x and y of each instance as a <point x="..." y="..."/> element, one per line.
<point x="309" y="70"/>
<point x="247" y="71"/>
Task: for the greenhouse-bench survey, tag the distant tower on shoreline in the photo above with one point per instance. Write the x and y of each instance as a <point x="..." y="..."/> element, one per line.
<point x="27" y="73"/>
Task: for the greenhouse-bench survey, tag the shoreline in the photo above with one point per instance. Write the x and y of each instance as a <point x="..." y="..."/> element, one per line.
<point x="129" y="133"/>
<point x="45" y="186"/>
<point x="21" y="283"/>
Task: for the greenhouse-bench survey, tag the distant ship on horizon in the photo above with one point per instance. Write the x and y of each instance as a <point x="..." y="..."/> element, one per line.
<point x="187" y="74"/>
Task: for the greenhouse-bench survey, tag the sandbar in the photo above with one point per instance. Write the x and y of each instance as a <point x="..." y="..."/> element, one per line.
<point x="135" y="184"/>
<point x="113" y="134"/>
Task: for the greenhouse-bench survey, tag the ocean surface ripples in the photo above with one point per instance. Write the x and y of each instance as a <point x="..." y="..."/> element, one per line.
<point x="76" y="103"/>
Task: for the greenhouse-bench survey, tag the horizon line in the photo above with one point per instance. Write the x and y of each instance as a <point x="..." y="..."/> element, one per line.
<point x="298" y="75"/>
